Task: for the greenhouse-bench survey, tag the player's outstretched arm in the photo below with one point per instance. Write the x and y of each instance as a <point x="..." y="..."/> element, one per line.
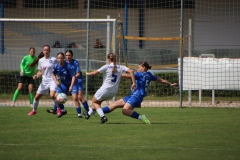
<point x="92" y="73"/>
<point x="127" y="76"/>
<point x="166" y="82"/>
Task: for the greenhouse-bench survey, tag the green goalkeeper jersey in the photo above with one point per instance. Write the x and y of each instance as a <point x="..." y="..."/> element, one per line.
<point x="24" y="65"/>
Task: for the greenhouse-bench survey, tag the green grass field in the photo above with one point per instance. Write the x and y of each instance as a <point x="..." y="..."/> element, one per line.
<point x="187" y="133"/>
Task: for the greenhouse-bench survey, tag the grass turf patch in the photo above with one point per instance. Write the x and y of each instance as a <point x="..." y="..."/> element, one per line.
<point x="187" y="133"/>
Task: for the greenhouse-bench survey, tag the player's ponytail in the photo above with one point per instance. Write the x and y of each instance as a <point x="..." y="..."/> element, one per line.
<point x="113" y="59"/>
<point x="145" y="64"/>
<point x="36" y="60"/>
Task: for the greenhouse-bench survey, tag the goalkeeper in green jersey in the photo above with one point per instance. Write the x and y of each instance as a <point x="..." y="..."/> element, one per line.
<point x="28" y="68"/>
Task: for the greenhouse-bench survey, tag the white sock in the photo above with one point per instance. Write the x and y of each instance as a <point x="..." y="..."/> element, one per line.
<point x="140" y="117"/>
<point x="35" y="105"/>
<point x="90" y="112"/>
<point x="100" y="112"/>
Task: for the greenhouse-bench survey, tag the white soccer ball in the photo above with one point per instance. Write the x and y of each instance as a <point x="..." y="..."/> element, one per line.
<point x="61" y="98"/>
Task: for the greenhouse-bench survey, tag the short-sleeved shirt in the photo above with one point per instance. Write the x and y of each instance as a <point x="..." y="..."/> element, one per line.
<point x="24" y="65"/>
<point x="46" y="66"/>
<point x="143" y="79"/>
<point x="64" y="73"/>
<point x="111" y="80"/>
<point x="76" y="67"/>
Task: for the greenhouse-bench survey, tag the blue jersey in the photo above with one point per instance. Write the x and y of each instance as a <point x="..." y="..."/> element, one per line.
<point x="143" y="80"/>
<point x="64" y="73"/>
<point x="75" y="67"/>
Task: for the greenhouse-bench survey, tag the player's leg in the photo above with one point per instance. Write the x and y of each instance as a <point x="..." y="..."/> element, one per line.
<point x="77" y="104"/>
<point x="81" y="97"/>
<point x="59" y="89"/>
<point x="21" y="82"/>
<point x="131" y="103"/>
<point x="30" y="89"/>
<point x="117" y="104"/>
<point x="35" y="103"/>
<point x="82" y="100"/>
<point x="43" y="89"/>
<point x="97" y="107"/>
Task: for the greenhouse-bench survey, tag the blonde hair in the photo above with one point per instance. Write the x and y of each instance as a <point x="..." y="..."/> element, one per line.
<point x="113" y="59"/>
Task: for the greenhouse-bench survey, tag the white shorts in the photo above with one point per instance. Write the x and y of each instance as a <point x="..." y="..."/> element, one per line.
<point x="103" y="94"/>
<point x="45" y="86"/>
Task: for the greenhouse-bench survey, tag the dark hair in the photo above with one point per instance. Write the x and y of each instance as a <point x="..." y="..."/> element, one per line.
<point x="113" y="59"/>
<point x="70" y="51"/>
<point x="145" y="64"/>
<point x="61" y="54"/>
<point x="47" y="46"/>
<point x="36" y="60"/>
<point x="31" y="48"/>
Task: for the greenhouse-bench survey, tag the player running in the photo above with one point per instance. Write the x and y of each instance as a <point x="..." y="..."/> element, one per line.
<point x="112" y="76"/>
<point x="45" y="67"/>
<point x="67" y="80"/>
<point x="128" y="103"/>
<point x="75" y="67"/>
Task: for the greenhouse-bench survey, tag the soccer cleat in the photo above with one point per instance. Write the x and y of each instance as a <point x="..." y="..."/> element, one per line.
<point x="59" y="113"/>
<point x="51" y="111"/>
<point x="104" y="119"/>
<point x="79" y="116"/>
<point x="87" y="116"/>
<point x="32" y="113"/>
<point x="12" y="104"/>
<point x="64" y="112"/>
<point x="145" y="120"/>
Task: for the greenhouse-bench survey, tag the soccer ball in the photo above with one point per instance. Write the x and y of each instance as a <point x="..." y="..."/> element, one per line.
<point x="61" y="98"/>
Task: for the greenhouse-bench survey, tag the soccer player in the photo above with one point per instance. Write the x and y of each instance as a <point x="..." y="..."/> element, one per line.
<point x="76" y="67"/>
<point x="128" y="103"/>
<point x="26" y="74"/>
<point x="112" y="76"/>
<point x="67" y="80"/>
<point x="45" y="67"/>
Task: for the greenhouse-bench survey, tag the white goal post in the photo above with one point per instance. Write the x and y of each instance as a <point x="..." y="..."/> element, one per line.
<point x="105" y="28"/>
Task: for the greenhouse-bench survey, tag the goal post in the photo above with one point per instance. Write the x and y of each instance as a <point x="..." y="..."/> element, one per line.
<point x="20" y="34"/>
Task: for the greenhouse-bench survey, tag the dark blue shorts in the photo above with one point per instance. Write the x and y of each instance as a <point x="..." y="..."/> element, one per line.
<point x="63" y="88"/>
<point x="133" y="101"/>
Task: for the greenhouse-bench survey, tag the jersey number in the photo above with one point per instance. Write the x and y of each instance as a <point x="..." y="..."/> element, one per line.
<point x="114" y="78"/>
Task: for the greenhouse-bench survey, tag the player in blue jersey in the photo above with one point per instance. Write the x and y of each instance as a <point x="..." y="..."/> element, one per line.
<point x="128" y="103"/>
<point x="66" y="80"/>
<point x="76" y="68"/>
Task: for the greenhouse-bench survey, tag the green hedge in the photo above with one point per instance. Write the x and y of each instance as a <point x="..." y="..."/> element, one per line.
<point x="9" y="82"/>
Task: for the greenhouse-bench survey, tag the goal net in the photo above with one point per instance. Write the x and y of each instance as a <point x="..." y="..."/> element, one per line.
<point x="82" y="36"/>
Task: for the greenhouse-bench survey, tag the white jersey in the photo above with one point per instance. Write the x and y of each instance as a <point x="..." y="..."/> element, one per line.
<point x="111" y="81"/>
<point x="46" y="66"/>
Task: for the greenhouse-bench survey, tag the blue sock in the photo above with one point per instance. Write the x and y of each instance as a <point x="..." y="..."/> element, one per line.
<point x="54" y="107"/>
<point x="78" y="110"/>
<point x="61" y="106"/>
<point x="85" y="105"/>
<point x="135" y="115"/>
<point x="106" y="109"/>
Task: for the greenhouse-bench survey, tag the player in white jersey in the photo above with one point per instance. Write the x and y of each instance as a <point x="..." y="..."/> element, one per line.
<point x="45" y="67"/>
<point x="112" y="76"/>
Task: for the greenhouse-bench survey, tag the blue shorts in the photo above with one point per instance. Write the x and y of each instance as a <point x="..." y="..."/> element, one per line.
<point x="80" y="84"/>
<point x="63" y="88"/>
<point x="133" y="101"/>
